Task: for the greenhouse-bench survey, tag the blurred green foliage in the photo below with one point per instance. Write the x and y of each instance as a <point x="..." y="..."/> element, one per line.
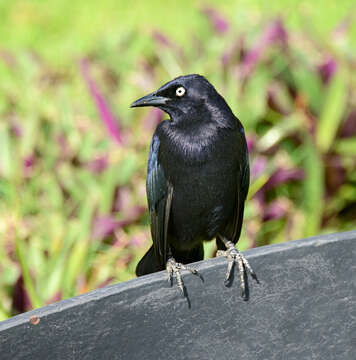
<point x="73" y="155"/>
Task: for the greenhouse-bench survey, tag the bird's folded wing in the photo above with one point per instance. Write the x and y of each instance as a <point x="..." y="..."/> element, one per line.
<point x="241" y="194"/>
<point x="159" y="196"/>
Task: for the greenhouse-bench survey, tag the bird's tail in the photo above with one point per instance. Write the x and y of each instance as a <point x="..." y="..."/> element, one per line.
<point x="148" y="264"/>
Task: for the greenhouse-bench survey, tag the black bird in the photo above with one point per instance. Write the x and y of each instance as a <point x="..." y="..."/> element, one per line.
<point x="197" y="179"/>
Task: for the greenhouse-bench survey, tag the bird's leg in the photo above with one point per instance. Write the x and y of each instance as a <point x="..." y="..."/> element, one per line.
<point x="233" y="255"/>
<point x="174" y="268"/>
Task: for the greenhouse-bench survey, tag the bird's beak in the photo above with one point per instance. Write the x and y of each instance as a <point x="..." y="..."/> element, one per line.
<point x="150" y="100"/>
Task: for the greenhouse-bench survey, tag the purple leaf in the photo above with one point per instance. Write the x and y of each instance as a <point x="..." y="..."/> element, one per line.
<point x="123" y="199"/>
<point x="20" y="299"/>
<point x="276" y="210"/>
<point x="260" y="198"/>
<point x="63" y="146"/>
<point x="327" y="69"/>
<point x="162" y="39"/>
<point x="258" y="166"/>
<point x="125" y="205"/>
<point x="16" y="128"/>
<point x="132" y="215"/>
<point x="138" y="240"/>
<point x="335" y="174"/>
<point x="282" y="175"/>
<point x="99" y="164"/>
<point x="103" y="107"/>
<point x="251" y="142"/>
<point x="28" y="164"/>
<point x="107" y="282"/>
<point x="274" y="33"/>
<point x="348" y="128"/>
<point x="217" y="21"/>
<point x="104" y="226"/>
<point x="29" y="161"/>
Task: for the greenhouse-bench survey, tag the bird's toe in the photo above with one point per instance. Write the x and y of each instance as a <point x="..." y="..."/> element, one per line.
<point x="234" y="256"/>
<point x="175" y="269"/>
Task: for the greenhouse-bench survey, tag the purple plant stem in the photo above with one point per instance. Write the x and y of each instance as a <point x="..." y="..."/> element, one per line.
<point x="162" y="39"/>
<point x="258" y="167"/>
<point x="104" y="226"/>
<point x="20" y="299"/>
<point x="335" y="173"/>
<point x="282" y="175"/>
<point x="217" y="21"/>
<point x="101" y="104"/>
<point x="275" y="210"/>
<point x="348" y="128"/>
<point x="28" y="164"/>
<point x="251" y="142"/>
<point x="275" y="32"/>
<point x="98" y="164"/>
<point x="327" y="69"/>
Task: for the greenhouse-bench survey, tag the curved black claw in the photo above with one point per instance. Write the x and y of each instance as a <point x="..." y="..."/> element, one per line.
<point x="174" y="268"/>
<point x="234" y="256"/>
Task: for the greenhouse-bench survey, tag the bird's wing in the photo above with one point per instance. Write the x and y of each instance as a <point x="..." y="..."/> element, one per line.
<point x="159" y="196"/>
<point x="241" y="194"/>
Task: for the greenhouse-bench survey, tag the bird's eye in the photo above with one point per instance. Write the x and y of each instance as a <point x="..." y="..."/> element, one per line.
<point x="180" y="91"/>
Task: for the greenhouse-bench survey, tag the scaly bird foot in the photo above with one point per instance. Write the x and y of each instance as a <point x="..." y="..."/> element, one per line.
<point x="234" y="256"/>
<point x="174" y="268"/>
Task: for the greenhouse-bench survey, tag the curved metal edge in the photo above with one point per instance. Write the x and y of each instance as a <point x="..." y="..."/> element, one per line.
<point x="115" y="289"/>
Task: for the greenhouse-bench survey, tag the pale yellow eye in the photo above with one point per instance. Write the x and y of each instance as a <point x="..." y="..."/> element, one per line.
<point x="180" y="91"/>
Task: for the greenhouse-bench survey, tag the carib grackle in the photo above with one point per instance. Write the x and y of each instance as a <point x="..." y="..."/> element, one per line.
<point x="197" y="179"/>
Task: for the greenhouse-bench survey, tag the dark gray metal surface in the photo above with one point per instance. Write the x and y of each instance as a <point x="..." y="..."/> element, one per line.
<point x="303" y="308"/>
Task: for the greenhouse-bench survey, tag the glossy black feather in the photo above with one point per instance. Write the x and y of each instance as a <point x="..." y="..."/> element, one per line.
<point x="159" y="196"/>
<point x="200" y="158"/>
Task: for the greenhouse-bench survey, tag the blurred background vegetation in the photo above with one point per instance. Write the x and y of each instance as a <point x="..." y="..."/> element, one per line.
<point x="73" y="155"/>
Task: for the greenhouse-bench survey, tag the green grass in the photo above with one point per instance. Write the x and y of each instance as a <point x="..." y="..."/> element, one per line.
<point x="60" y="28"/>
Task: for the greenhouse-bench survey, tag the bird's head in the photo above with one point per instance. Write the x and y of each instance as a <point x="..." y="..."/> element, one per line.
<point x="189" y="95"/>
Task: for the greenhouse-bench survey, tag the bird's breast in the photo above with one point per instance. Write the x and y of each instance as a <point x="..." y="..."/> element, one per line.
<point x="192" y="145"/>
<point x="204" y="180"/>
<point x="203" y="201"/>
